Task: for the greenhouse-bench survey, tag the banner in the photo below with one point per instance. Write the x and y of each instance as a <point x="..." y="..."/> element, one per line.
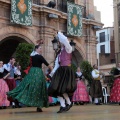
<point x="74" y="23"/>
<point x="21" y="12"/>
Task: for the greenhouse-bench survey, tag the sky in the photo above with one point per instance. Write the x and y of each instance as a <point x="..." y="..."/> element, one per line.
<point x="106" y="9"/>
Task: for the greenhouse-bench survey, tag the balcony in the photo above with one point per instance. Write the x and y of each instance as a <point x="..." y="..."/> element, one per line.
<point x="61" y="6"/>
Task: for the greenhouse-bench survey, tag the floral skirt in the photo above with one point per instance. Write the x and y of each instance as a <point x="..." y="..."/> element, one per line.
<point x="115" y="91"/>
<point x="63" y="81"/>
<point x="32" y="90"/>
<point x="3" y="90"/>
<point x="81" y="93"/>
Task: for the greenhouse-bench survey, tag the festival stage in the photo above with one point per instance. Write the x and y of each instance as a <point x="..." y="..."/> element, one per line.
<point x="81" y="112"/>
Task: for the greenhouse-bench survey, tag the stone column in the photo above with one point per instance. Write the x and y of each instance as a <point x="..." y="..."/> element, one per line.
<point x="91" y="52"/>
<point x="90" y="9"/>
<point x="116" y="31"/>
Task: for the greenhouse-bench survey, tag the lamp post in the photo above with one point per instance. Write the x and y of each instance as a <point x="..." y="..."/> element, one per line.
<point x="73" y="45"/>
<point x="55" y="43"/>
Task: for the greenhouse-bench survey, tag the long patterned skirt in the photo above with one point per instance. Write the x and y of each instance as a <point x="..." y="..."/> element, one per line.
<point x="32" y="90"/>
<point x="3" y="90"/>
<point x="81" y="94"/>
<point x="63" y="81"/>
<point x="115" y="91"/>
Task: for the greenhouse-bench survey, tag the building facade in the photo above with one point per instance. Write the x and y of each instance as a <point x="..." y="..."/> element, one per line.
<point x="116" y="7"/>
<point x="45" y="28"/>
<point x="105" y="49"/>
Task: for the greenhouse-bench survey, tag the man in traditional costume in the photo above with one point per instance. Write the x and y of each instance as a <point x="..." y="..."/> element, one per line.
<point x="10" y="80"/>
<point x="63" y="82"/>
<point x="96" y="87"/>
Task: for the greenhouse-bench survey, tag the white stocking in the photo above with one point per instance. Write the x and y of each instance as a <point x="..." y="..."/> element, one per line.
<point x="67" y="98"/>
<point x="62" y="101"/>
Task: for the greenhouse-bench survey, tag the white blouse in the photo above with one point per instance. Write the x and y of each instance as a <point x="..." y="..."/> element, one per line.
<point x="94" y="74"/>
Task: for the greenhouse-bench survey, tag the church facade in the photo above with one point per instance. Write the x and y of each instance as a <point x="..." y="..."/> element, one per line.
<point x="44" y="28"/>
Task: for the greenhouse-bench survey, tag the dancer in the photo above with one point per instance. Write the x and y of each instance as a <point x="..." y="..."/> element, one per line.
<point x="4" y="103"/>
<point x="63" y="81"/>
<point x="32" y="90"/>
<point x="115" y="91"/>
<point x="80" y="95"/>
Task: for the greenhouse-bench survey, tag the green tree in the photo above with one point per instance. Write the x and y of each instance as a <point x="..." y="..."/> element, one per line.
<point x="86" y="69"/>
<point x="23" y="55"/>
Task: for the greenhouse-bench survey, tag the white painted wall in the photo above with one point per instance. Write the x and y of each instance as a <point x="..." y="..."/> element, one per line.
<point x="108" y="34"/>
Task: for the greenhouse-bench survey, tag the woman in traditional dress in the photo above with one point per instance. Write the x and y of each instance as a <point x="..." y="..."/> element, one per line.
<point x="32" y="90"/>
<point x="3" y="89"/>
<point x="115" y="91"/>
<point x="80" y="96"/>
<point x="63" y="81"/>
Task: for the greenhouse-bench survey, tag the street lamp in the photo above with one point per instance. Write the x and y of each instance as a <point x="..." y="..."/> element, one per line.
<point x="73" y="45"/>
<point x="55" y="43"/>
